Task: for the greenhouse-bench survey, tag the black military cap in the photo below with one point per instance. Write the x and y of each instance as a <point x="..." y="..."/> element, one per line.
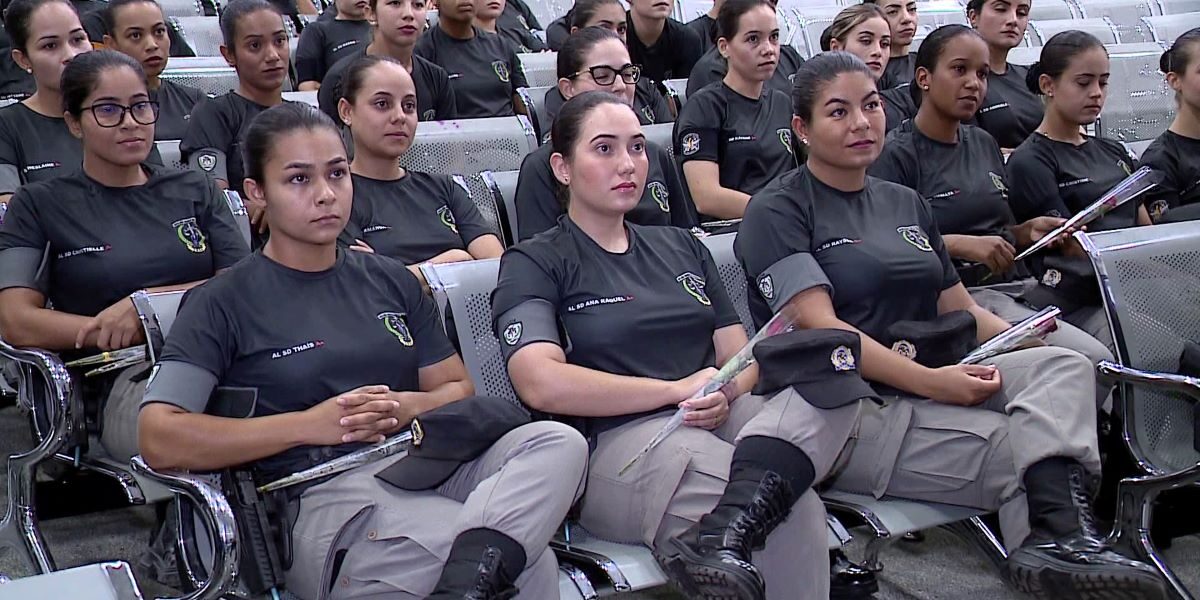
<point x="934" y="343"/>
<point x="448" y="436"/>
<point x="1066" y="282"/>
<point x="820" y="364"/>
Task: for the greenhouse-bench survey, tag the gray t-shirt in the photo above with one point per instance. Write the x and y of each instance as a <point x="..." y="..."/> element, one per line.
<point x="324" y="43"/>
<point x="483" y="70"/>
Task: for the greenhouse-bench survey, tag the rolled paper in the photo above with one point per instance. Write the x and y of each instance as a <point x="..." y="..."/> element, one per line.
<point x="728" y="372"/>
<point x="1131" y="187"/>
<point x="389" y="447"/>
<point x="1036" y="326"/>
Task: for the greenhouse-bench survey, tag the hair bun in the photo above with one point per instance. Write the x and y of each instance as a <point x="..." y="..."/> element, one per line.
<point x="1033" y="78"/>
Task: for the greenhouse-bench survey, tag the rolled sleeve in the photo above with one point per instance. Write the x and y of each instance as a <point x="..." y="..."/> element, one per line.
<point x="180" y="384"/>
<point x="530" y="322"/>
<point x="789" y="276"/>
<point x="210" y="161"/>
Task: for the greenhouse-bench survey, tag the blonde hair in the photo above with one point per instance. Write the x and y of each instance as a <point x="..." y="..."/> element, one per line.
<point x="846" y="21"/>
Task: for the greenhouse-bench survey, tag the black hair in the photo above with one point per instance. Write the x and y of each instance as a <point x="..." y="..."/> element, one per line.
<point x="933" y="47"/>
<point x="584" y="10"/>
<point x="578" y="44"/>
<point x="567" y="125"/>
<point x="731" y="12"/>
<point x="816" y="72"/>
<point x="846" y="21"/>
<point x="975" y="5"/>
<point x="80" y="76"/>
<point x="274" y="123"/>
<point x="1179" y="57"/>
<point x="1057" y="54"/>
<point x="353" y="79"/>
<point x="17" y="17"/>
<point x="109" y="14"/>
<point x="233" y="13"/>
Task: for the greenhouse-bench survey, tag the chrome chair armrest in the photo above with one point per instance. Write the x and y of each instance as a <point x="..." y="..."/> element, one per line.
<point x="1190" y="386"/>
<point x="218" y="519"/>
<point x="54" y="372"/>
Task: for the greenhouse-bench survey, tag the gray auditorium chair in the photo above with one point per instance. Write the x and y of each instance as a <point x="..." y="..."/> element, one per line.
<point x="471" y="145"/>
<point x="534" y="99"/>
<point x="1125" y="14"/>
<point x="503" y="187"/>
<point x="1101" y="27"/>
<point x="1164" y="29"/>
<point x="1140" y="104"/>
<point x="211" y="75"/>
<point x="1150" y="283"/>
<point x="169" y="151"/>
<point x="464" y="290"/>
<point x="202" y="33"/>
<point x="241" y="215"/>
<point x="541" y="68"/>
<point x="181" y="8"/>
<point x="810" y="22"/>
<point x="45" y="390"/>
<point x="660" y="133"/>
<point x="100" y="581"/>
<point x="1177" y="7"/>
<point x="477" y="188"/>
<point x="1049" y="10"/>
<point x="888" y="519"/>
<point x="676" y="91"/>
<point x="309" y="98"/>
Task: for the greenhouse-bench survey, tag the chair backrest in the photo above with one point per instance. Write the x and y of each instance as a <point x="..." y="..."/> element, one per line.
<point x="732" y="275"/>
<point x="1101" y="27"/>
<point x="676" y="89"/>
<point x="1150" y="282"/>
<point x="1024" y="55"/>
<point x="181" y="8"/>
<point x="541" y="68"/>
<point x="811" y="22"/>
<point x="240" y="214"/>
<point x="481" y="195"/>
<point x="203" y="34"/>
<point x="1138" y="147"/>
<point x="169" y="151"/>
<point x="466" y="288"/>
<point x="1178" y="7"/>
<point x="471" y="145"/>
<point x="1052" y="10"/>
<point x="1140" y="104"/>
<point x="309" y="98"/>
<point x="535" y="102"/>
<point x="660" y="133"/>
<point x="503" y="186"/>
<point x="1125" y="14"/>
<point x="1164" y="29"/>
<point x="937" y="13"/>
<point x="213" y="80"/>
<point x="547" y="11"/>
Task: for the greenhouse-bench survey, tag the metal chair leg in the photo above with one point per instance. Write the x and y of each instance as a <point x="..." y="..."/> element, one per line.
<point x="975" y="532"/>
<point x="1131" y="531"/>
<point x="19" y="530"/>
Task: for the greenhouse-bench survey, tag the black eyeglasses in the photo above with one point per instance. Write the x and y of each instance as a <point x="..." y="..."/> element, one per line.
<point x="606" y="75"/>
<point x="109" y="114"/>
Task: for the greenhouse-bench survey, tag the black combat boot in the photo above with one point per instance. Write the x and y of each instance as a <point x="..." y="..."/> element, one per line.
<point x="483" y="565"/>
<point x="847" y="580"/>
<point x="711" y="560"/>
<point x="1065" y="557"/>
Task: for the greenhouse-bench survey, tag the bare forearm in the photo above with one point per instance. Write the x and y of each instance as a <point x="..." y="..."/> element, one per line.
<point x="199" y="442"/>
<point x="33" y="327"/>
<point x="413" y="404"/>
<point x="722" y="203"/>
<point x="309" y="86"/>
<point x="880" y="364"/>
<point x="568" y="389"/>
<point x="987" y="325"/>
<point x="955" y="245"/>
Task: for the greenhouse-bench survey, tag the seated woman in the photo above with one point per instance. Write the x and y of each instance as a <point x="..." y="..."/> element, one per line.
<point x="1059" y="171"/>
<point x="406" y="215"/>
<point x="139" y="29"/>
<point x="323" y="43"/>
<point x="713" y="66"/>
<point x="483" y="67"/>
<point x="901" y="16"/>
<point x="1010" y="112"/>
<point x="613" y="326"/>
<point x="35" y="144"/>
<point x="398" y="26"/>
<point x="117" y="228"/>
<point x="649" y="103"/>
<point x="348" y="352"/>
<point x="595" y="59"/>
<point x="597" y="13"/>
<point x="665" y="48"/>
<point x="863" y="31"/>
<point x="490" y="16"/>
<point x="959" y="171"/>
<point x="256" y="44"/>
<point x="1176" y="153"/>
<point x="734" y="136"/>
<point x="834" y="248"/>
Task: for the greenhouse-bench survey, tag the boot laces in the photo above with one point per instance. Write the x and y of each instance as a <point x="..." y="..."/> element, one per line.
<point x="766" y="510"/>
<point x="488" y="577"/>
<point x="1083" y="504"/>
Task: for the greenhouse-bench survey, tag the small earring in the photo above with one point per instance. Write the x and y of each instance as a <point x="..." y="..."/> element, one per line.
<point x="29" y="70"/>
<point x="804" y="141"/>
<point x="925" y="87"/>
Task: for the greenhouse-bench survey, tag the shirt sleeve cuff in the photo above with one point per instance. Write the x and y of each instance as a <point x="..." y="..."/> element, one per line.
<point x="19" y="268"/>
<point x="530" y="322"/>
<point x="180" y="384"/>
